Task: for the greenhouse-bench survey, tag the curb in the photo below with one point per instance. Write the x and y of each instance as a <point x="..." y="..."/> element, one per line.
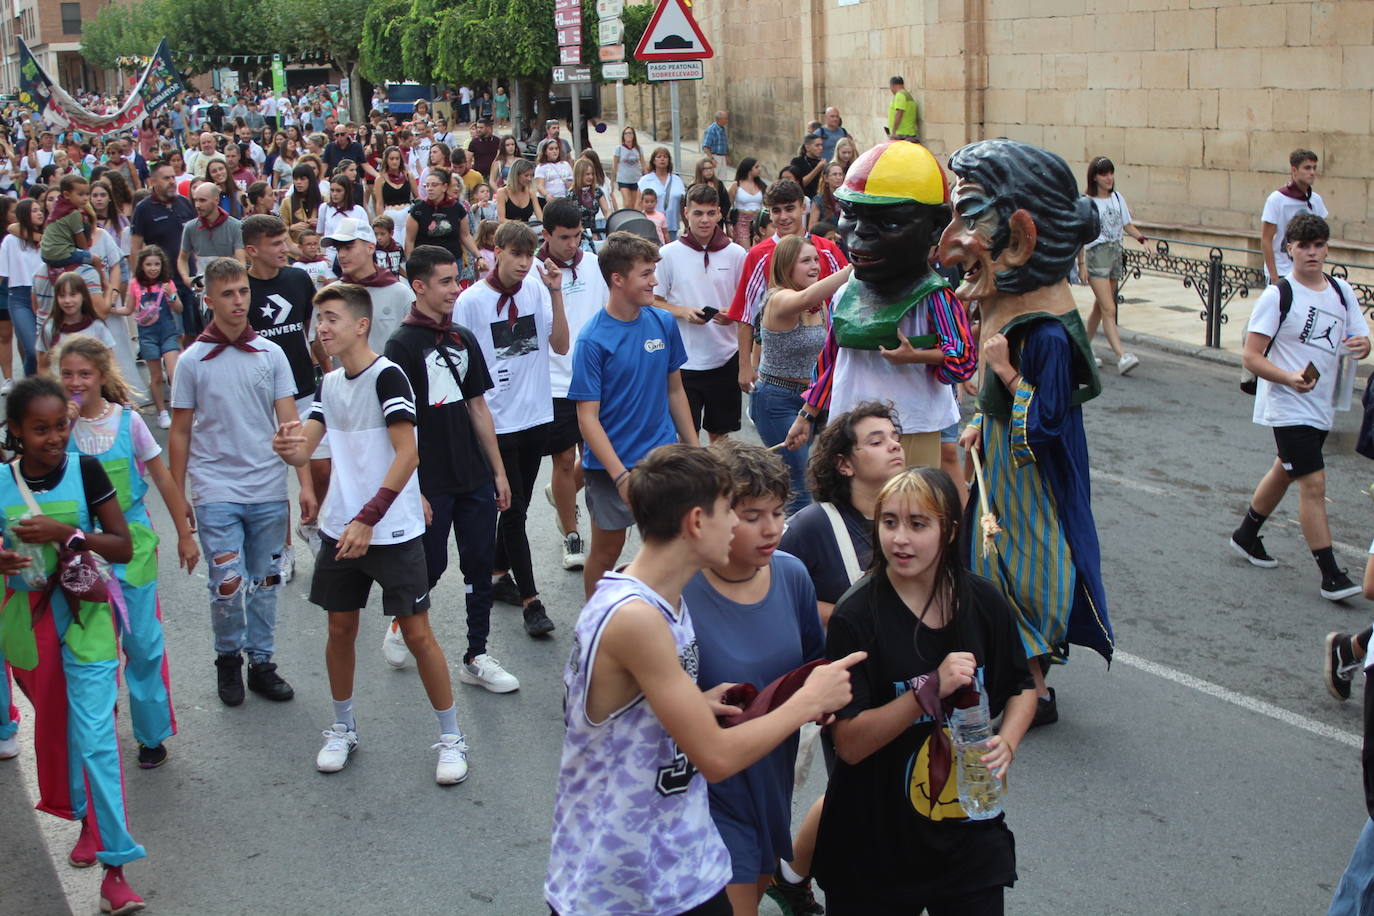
<point x="1213" y="355"/>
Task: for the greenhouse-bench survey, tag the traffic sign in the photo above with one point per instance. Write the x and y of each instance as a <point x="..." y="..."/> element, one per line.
<point x="672" y="34"/>
<point x="570" y="55"/>
<point x="611" y="53"/>
<point x="572" y="35"/>
<point x="572" y="74"/>
<point x="609" y="9"/>
<point x="674" y="70"/>
<point x="564" y="18"/>
<point x="610" y="31"/>
<point x="619" y="71"/>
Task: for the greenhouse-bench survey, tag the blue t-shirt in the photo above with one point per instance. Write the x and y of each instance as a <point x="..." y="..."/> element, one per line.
<point x="756" y="644"/>
<point x="625" y="365"/>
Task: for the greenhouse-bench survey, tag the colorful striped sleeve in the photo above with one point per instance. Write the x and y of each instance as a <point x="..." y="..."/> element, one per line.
<point x="956" y="340"/>
<point x="818" y="395"/>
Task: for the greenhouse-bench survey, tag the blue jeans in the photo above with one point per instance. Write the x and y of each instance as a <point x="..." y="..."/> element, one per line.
<point x="77" y="257"/>
<point x="243" y="539"/>
<point x="25" y="325"/>
<point x="773" y="409"/>
<point x="1355" y="893"/>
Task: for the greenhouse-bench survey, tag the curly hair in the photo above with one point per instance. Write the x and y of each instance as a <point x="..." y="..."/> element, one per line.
<point x="755" y="471"/>
<point x="836" y="441"/>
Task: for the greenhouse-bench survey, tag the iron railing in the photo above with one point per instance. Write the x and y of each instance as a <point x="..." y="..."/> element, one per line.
<point x="1217" y="282"/>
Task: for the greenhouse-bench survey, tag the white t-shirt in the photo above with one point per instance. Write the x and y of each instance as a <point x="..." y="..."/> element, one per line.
<point x="19" y="261"/>
<point x="517" y="355"/>
<point x="582" y="298"/>
<point x="99" y="330"/>
<point x="1114" y="216"/>
<point x="557" y="177"/>
<point x="1313" y="331"/>
<point x="685" y="279"/>
<point x="1279" y="208"/>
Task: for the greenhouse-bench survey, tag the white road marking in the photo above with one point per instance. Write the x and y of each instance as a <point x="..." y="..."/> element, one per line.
<point x="1129" y="483"/>
<point x="1351" y="549"/>
<point x="1244" y="701"/>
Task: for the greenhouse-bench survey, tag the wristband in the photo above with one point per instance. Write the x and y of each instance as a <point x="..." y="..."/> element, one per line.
<point x="76" y="541"/>
<point x="372" y="511"/>
<point x="802" y="414"/>
<point x="621" y="476"/>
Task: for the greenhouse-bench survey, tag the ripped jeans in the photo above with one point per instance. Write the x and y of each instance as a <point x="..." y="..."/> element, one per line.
<point x="243" y="540"/>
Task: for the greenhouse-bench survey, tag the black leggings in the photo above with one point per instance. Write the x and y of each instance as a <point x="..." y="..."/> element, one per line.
<point x="719" y="905"/>
<point x="986" y="902"/>
<point x="521" y="453"/>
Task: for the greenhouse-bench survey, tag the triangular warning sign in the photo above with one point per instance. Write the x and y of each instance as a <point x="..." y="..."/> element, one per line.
<point x="672" y="34"/>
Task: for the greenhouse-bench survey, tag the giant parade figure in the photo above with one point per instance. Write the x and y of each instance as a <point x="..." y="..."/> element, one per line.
<point x="1018" y="223"/>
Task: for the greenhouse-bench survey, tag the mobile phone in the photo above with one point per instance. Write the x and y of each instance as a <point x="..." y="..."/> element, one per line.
<point x="1311" y="373"/>
<point x="708" y="313"/>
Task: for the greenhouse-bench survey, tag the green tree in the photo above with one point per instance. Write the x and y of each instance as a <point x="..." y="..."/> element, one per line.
<point x="332" y="26"/>
<point x="383" y="26"/>
<point x="636" y="19"/>
<point x="487" y="39"/>
<point x="122" y="30"/>
<point x="203" y="28"/>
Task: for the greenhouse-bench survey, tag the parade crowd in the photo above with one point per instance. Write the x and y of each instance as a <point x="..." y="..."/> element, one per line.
<point x="411" y="313"/>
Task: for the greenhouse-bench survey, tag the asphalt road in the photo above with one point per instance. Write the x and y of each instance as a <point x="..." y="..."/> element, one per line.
<point x="1206" y="772"/>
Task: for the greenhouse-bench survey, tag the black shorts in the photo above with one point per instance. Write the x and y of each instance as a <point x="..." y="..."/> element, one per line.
<point x="1300" y="449"/>
<point x="564" y="432"/>
<point x="340" y="586"/>
<point x="714" y="397"/>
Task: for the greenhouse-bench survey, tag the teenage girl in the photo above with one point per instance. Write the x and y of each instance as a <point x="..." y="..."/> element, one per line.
<point x="1100" y="262"/>
<point x="75" y="314"/>
<point x="153" y="297"/>
<point x="628" y="165"/>
<point x="918" y="612"/>
<point x="110" y="430"/>
<point x="20" y="260"/>
<point x="65" y="657"/>
<point x="340" y="206"/>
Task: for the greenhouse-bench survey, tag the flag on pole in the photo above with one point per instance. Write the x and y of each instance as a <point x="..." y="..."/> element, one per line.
<point x="158" y="84"/>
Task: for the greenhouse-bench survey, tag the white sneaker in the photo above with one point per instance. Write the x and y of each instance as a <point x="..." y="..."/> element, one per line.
<point x="164" y="420"/>
<point x="453" y="760"/>
<point x="287" y="567"/>
<point x="7" y="387"/>
<point x="9" y="747"/>
<point x="574" y="553"/>
<point x="310" y="534"/>
<point x="1097" y="360"/>
<point x="1127" y="362"/>
<point x="339" y="742"/>
<point x="485" y="671"/>
<point x="394" y="648"/>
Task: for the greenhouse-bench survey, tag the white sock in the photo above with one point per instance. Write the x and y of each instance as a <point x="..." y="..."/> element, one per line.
<point x="343" y="714"/>
<point x="448" y="720"/>
<point x="788" y="875"/>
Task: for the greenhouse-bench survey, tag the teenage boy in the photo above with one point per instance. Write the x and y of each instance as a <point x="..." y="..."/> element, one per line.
<point x="628" y="386"/>
<point x="584" y="294"/>
<point x="232" y="389"/>
<point x="461" y="474"/>
<point x="1282" y="205"/>
<point x="280" y="310"/>
<point x="1322" y="323"/>
<point x="517" y="317"/>
<point x="787" y="208"/>
<point x="628" y="783"/>
<point x="355" y="245"/>
<point x="697" y="278"/>
<point x="373" y="523"/>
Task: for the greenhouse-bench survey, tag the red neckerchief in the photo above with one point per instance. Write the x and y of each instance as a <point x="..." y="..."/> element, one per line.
<point x="60" y="209"/>
<point x="717" y="241"/>
<point x="342" y="212"/>
<point x="507" y="297"/>
<point x="390" y="246"/>
<point x="380" y="277"/>
<point x="220" y="216"/>
<point x="443" y="204"/>
<point x="82" y="324"/>
<point x="396" y="178"/>
<point x="1289" y="190"/>
<point x="418" y="319"/>
<point x="213" y="335"/>
<point x="543" y="253"/>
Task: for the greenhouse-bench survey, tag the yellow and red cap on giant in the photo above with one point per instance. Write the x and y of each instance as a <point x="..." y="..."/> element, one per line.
<point x="895" y="172"/>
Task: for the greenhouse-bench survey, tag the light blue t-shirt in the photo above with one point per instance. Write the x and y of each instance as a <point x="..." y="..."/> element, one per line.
<point x="625" y="365"/>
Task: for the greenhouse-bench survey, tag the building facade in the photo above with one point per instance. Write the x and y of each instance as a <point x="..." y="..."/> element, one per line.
<point x="52" y="29"/>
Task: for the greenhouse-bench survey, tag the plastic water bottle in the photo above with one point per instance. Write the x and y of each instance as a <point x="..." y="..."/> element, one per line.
<point x="1344" y="387"/>
<point x="32" y="575"/>
<point x="980" y="792"/>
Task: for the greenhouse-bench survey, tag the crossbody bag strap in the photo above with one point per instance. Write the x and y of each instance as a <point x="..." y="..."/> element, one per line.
<point x="24" y="488"/>
<point x="843" y="541"/>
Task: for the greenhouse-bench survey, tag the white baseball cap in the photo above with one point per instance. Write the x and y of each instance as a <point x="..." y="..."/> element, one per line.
<point x="350" y="230"/>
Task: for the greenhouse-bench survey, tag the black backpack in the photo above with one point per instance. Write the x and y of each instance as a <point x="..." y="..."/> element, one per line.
<point x="1248" y="382"/>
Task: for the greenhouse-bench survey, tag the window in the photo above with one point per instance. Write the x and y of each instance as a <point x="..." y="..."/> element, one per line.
<point x="71" y="18"/>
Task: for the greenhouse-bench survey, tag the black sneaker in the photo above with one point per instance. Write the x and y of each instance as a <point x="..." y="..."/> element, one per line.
<point x="230" y="669"/>
<point x="264" y="680"/>
<point x="1046" y="711"/>
<point x="505" y="591"/>
<point x="794" y="899"/>
<point x="1252" y="550"/>
<point x="1340" y="666"/>
<point x="151" y="757"/>
<point x="537" y="622"/>
<point x="1338" y="587"/>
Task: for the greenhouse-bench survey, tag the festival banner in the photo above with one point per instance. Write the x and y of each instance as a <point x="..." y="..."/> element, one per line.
<point x="158" y="84"/>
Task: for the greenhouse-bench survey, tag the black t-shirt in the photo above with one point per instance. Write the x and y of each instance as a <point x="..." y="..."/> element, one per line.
<point x="280" y="310"/>
<point x="810" y="537"/>
<point x="216" y="115"/>
<point x="442" y="227"/>
<point x="160" y="224"/>
<point x="93" y="479"/>
<point x="879" y="832"/>
<point x="803" y="165"/>
<point x="444" y="378"/>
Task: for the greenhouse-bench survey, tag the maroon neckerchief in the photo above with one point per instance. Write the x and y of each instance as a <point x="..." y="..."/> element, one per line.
<point x="213" y="335"/>
<point x="380" y="277"/>
<point x="389" y="247"/>
<point x="543" y="253"/>
<point x="507" y="296"/>
<point x="344" y="211"/>
<point x="717" y="241"/>
<point x="60" y="209"/>
<point x="754" y="702"/>
<point x="396" y="178"/>
<point x="1292" y="190"/>
<point x="84" y="322"/>
<point x="220" y="216"/>
<point x="418" y="319"/>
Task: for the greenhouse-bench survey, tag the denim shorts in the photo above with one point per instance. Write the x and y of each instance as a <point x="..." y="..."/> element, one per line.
<point x="159" y="338"/>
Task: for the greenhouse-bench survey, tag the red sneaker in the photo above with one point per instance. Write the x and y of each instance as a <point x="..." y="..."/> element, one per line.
<point x="116" y="897"/>
<point x="87" y="845"/>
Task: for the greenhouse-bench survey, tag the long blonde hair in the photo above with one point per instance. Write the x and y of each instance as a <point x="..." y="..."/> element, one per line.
<point x="785" y="257"/>
<point x="115" y="388"/>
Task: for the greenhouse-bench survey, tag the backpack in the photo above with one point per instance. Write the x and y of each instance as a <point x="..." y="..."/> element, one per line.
<point x="1248" y="381"/>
